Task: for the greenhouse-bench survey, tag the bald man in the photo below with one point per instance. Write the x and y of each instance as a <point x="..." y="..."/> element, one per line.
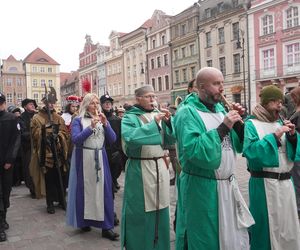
<point x="211" y="211"/>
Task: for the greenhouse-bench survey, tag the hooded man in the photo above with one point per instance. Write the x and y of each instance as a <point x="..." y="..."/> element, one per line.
<point x="145" y="212"/>
<point x="271" y="145"/>
<point x="43" y="167"/>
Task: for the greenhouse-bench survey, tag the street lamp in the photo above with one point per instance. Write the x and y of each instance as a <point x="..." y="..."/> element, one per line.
<point x="241" y="45"/>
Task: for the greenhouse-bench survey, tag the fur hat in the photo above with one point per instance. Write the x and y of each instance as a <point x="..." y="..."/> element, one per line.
<point x="270" y="93"/>
<point x="105" y="98"/>
<point x="26" y="101"/>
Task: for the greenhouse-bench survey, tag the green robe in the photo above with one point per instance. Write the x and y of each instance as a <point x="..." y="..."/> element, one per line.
<point x="262" y="154"/>
<point x="200" y="153"/>
<point x="138" y="226"/>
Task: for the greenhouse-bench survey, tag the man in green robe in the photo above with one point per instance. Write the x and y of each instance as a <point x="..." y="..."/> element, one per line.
<point x="145" y="213"/>
<point x="270" y="146"/>
<point x="211" y="212"/>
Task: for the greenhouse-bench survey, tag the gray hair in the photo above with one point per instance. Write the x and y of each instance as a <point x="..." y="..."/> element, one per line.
<point x="85" y="103"/>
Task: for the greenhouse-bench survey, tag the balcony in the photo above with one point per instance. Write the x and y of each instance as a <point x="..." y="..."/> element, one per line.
<point x="278" y="71"/>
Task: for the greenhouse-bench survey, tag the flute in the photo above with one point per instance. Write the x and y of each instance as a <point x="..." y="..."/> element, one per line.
<point x="228" y="105"/>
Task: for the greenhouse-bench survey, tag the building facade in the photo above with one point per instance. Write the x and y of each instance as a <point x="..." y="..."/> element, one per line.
<point x="158" y="56"/>
<point x="275" y="44"/>
<point x="13" y="81"/>
<point x="41" y="70"/>
<point x="69" y="85"/>
<point x="101" y="68"/>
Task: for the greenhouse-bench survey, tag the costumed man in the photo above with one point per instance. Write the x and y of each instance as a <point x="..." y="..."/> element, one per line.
<point x="211" y="212"/>
<point x="29" y="106"/>
<point x="48" y="166"/>
<point x="145" y="212"/>
<point x="271" y="146"/>
<point x="10" y="142"/>
<point x="90" y="195"/>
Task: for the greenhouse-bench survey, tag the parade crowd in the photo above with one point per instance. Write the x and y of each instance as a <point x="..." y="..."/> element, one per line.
<point x="74" y="160"/>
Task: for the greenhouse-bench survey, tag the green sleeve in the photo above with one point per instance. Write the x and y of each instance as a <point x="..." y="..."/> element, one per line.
<point x="259" y="153"/>
<point x="136" y="134"/>
<point x="198" y="148"/>
<point x="169" y="135"/>
<point x="292" y="153"/>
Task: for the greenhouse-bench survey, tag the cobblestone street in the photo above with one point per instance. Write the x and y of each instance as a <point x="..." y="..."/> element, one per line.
<point x="31" y="227"/>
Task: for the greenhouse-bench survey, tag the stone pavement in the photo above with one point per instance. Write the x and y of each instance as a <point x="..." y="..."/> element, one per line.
<point x="31" y="227"/>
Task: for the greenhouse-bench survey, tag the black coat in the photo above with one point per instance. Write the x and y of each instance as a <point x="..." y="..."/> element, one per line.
<point x="9" y="137"/>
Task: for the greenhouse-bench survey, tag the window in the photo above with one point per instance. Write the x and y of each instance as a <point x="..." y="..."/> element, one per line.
<point x="120" y="89"/>
<point x="183" y="29"/>
<point x="166" y="60"/>
<point x="192" y="49"/>
<point x="159" y="84"/>
<point x="158" y="62"/>
<point x="293" y="54"/>
<point x="222" y="65"/>
<point x="163" y="40"/>
<point x="220" y="7"/>
<point x="42" y="83"/>
<point x="176" y="54"/>
<point x="184" y="75"/>
<point x="42" y="69"/>
<point x="50" y="83"/>
<point x="193" y="72"/>
<point x="34" y="69"/>
<point x="115" y="89"/>
<point x="176" y="75"/>
<point x="153" y="44"/>
<point x="209" y="63"/>
<point x="36" y="97"/>
<point x="19" y="81"/>
<point x="153" y="83"/>
<point x="34" y="83"/>
<point x="49" y="70"/>
<point x="236" y="98"/>
<point x="267" y="25"/>
<point x="235" y="31"/>
<point x="142" y="68"/>
<point x="268" y="59"/>
<point x="9" y="82"/>
<point x="208" y="39"/>
<point x="292" y="17"/>
<point x="152" y="63"/>
<point x="221" y="35"/>
<point x="183" y="52"/>
<point x="9" y="98"/>
<point x="237" y="63"/>
<point x="19" y="97"/>
<point x="167" y="82"/>
<point x="235" y="3"/>
<point x="207" y="12"/>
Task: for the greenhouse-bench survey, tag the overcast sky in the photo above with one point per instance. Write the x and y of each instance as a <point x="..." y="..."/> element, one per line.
<point x="58" y="27"/>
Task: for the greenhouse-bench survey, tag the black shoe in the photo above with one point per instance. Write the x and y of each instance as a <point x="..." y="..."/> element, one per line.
<point x="50" y="209"/>
<point x="86" y="229"/>
<point x="110" y="234"/>
<point x="5" y="225"/>
<point x="2" y="236"/>
<point x="116" y="220"/>
<point x="32" y="195"/>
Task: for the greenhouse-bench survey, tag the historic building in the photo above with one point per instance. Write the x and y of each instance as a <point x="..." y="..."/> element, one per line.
<point x="13" y="81"/>
<point x="275" y="44"/>
<point x="101" y="68"/>
<point x="69" y="85"/>
<point x="184" y="47"/>
<point x="223" y="45"/>
<point x="88" y="67"/>
<point x="41" y="70"/>
<point x="134" y="56"/>
<point x="158" y="56"/>
<point x="115" y="69"/>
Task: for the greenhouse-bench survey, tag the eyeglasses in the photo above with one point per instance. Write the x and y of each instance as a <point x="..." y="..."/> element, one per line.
<point x="149" y="96"/>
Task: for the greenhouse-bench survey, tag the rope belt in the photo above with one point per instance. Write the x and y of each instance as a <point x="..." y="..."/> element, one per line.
<point x="229" y="178"/>
<point x="96" y="158"/>
<point x="157" y="190"/>
<point x="271" y="175"/>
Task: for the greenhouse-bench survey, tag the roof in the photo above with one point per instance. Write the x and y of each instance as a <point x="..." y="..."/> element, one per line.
<point x="40" y="57"/>
<point x="11" y="58"/>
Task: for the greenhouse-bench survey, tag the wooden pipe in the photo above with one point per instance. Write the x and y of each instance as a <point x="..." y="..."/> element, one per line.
<point x="228" y="105"/>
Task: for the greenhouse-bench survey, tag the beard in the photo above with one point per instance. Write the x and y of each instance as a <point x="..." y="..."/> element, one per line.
<point x="211" y="98"/>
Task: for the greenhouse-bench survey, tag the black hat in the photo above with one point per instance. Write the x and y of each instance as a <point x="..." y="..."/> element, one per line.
<point x="16" y="110"/>
<point x="27" y="100"/>
<point x="105" y="98"/>
<point x="2" y="98"/>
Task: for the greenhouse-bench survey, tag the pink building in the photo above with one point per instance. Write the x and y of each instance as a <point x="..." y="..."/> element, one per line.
<point x="274" y="48"/>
